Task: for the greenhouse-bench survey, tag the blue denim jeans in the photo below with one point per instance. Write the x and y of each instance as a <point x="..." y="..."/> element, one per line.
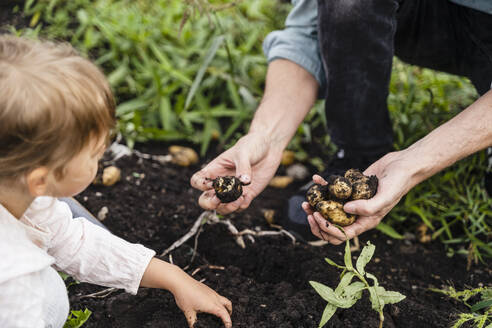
<point x="358" y="39"/>
<point x="78" y="210"/>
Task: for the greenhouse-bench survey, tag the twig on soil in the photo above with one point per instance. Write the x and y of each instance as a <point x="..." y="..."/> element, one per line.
<point x="196" y="243"/>
<point x="189" y="234"/>
<point x="101" y="294"/>
<point x="207" y="266"/>
<point x="261" y="233"/>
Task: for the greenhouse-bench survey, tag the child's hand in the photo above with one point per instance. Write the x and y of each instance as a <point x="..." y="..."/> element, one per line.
<point x="193" y="297"/>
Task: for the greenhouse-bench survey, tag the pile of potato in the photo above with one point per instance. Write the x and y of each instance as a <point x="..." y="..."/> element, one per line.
<point x="328" y="200"/>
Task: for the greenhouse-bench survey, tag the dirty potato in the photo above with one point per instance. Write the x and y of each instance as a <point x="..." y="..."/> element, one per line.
<point x="328" y="200"/>
<point x="354" y="175"/>
<point x="339" y="187"/>
<point x="365" y="188"/>
<point x="227" y="188"/>
<point x="333" y="212"/>
<point x="316" y="194"/>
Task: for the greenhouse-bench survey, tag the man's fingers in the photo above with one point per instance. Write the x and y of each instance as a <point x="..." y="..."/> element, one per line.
<point x="247" y="200"/>
<point x="201" y="181"/>
<point x="319" y="180"/>
<point x="226" y="208"/>
<point x="243" y="167"/>
<point x="330" y="229"/>
<point x="307" y="208"/>
<point x="315" y="229"/>
<point x="190" y="317"/>
<point x="208" y="200"/>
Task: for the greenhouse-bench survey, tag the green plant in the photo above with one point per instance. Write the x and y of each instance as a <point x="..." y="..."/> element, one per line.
<point x="347" y="293"/>
<point x="481" y="312"/>
<point x="181" y="70"/>
<point x="77" y="318"/>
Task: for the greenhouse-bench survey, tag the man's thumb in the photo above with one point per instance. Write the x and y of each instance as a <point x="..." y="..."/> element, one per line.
<point x="243" y="168"/>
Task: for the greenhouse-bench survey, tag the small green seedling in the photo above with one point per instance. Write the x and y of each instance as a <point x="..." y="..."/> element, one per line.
<point x="77" y="318"/>
<point x="348" y="292"/>
<point x="481" y="312"/>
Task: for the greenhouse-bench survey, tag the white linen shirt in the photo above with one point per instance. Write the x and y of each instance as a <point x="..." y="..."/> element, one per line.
<point x="46" y="238"/>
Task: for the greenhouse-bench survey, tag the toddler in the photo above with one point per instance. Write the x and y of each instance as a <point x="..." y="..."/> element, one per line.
<point x="56" y="111"/>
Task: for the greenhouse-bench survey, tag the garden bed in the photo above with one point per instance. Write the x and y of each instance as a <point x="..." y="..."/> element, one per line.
<point x="267" y="281"/>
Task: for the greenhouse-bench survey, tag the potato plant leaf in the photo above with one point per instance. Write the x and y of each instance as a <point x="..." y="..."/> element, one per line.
<point x="348" y="257"/>
<point x="327" y="314"/>
<point x="364" y="257"/>
<point x="328" y="294"/>
<point x="376" y="303"/>
<point x="330" y="262"/>
<point x="344" y="282"/>
<point x="389" y="297"/>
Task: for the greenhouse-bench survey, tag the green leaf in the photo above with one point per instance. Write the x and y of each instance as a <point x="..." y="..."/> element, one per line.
<point x="422" y="215"/>
<point x="344" y="282"/>
<point x="77" y="318"/>
<point x="376" y="303"/>
<point x="481" y="305"/>
<point x="389" y="297"/>
<point x="354" y="290"/>
<point x="118" y="75"/>
<point x="364" y="257"/>
<point x="373" y="278"/>
<point x="166" y="114"/>
<point x="130" y="106"/>
<point x="348" y="256"/>
<point x="201" y="72"/>
<point x="330" y="262"/>
<point x="328" y="294"/>
<point x="327" y="314"/>
<point x="388" y="230"/>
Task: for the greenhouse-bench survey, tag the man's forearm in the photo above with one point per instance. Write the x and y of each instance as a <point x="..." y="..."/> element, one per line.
<point x="465" y="134"/>
<point x="290" y="93"/>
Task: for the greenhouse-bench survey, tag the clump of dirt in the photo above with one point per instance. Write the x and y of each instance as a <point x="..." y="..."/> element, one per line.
<point x="267" y="282"/>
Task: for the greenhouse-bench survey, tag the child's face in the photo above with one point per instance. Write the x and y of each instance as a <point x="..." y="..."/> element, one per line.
<point x="80" y="171"/>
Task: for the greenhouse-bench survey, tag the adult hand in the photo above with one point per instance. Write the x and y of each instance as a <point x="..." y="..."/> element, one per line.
<point x="395" y="180"/>
<point x="252" y="159"/>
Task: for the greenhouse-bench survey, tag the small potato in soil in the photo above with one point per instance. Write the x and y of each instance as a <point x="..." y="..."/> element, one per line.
<point x="228" y="188"/>
<point x="333" y="212"/>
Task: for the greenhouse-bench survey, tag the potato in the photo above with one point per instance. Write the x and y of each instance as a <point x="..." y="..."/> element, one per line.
<point x="339" y="187"/>
<point x="227" y="188"/>
<point x="316" y="194"/>
<point x="333" y="212"/>
<point x="183" y="156"/>
<point x="365" y="189"/>
<point x="328" y="200"/>
<point x="354" y="175"/>
<point x="111" y="175"/>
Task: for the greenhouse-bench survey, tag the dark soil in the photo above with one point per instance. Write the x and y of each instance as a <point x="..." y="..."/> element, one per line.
<point x="268" y="281"/>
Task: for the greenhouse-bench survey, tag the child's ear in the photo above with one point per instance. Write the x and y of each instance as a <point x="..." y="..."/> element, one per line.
<point x="37" y="181"/>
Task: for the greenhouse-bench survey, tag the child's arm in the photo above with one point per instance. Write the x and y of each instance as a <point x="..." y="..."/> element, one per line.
<point x="191" y="296"/>
<point x="92" y="254"/>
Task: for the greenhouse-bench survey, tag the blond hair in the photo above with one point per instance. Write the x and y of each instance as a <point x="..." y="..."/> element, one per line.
<point x="52" y="102"/>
